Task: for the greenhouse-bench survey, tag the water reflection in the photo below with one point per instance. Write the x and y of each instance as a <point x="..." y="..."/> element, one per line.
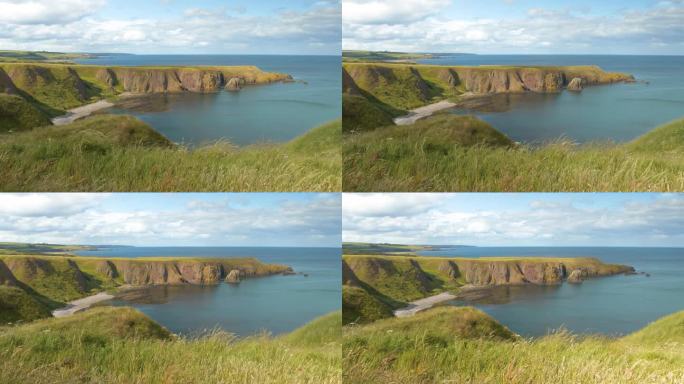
<point x="502" y="294"/>
<point x="163" y="294"/>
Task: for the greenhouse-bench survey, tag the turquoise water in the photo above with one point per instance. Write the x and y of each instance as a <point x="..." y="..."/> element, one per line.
<point x="268" y="113"/>
<point x="276" y="304"/>
<point x="617" y="112"/>
<point x="613" y="305"/>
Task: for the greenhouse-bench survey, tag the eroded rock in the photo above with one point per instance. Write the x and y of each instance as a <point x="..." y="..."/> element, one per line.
<point x="576" y="85"/>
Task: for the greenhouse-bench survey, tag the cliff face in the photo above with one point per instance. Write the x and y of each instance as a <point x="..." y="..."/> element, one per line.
<point x="416" y="85"/>
<point x="67" y="278"/>
<point x="63" y="86"/>
<point x="408" y="278"/>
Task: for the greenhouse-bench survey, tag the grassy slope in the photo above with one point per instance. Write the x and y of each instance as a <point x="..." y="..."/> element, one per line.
<point x="17" y="114"/>
<point x="463" y="345"/>
<point x="454" y="153"/>
<point x="120" y="345"/>
<point x="17" y="305"/>
<point x="115" y="153"/>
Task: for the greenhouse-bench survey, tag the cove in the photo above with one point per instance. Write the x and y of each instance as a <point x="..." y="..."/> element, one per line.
<point x="256" y="114"/>
<point x="275" y="304"/>
<point x="614" y="305"/>
<point x="616" y="112"/>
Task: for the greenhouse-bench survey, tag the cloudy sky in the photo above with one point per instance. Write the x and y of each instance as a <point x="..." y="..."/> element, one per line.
<point x="525" y="219"/>
<point x="516" y="26"/>
<point x="172" y="26"/>
<point x="157" y="219"/>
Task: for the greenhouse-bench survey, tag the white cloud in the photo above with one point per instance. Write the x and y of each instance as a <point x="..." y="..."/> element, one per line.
<point x="541" y="30"/>
<point x="47" y="12"/>
<point x="217" y="30"/>
<point x="390" y="11"/>
<point x="49" y="205"/>
<point x="80" y="218"/>
<point x="543" y="222"/>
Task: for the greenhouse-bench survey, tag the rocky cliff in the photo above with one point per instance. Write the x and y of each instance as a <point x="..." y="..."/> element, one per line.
<point x="65" y="278"/>
<point x="61" y="86"/>
<point x="409" y="86"/>
<point x="410" y="278"/>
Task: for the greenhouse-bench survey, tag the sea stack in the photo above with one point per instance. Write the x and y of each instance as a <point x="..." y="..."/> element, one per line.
<point x="234" y="84"/>
<point x="575" y="277"/>
<point x="233" y="277"/>
<point x="576" y="85"/>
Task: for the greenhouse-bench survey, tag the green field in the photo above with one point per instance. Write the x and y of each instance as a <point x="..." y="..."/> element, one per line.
<point x="462" y="153"/>
<point x="371" y="56"/>
<point x="462" y="345"/>
<point x="121" y="345"/>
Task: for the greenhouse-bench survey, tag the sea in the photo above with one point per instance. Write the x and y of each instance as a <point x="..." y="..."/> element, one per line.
<point x="274" y="304"/>
<point x="615" y="305"/>
<point x="257" y="114"/>
<point x="614" y="112"/>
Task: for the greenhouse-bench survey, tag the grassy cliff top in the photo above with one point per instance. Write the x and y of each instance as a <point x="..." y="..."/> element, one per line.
<point x="431" y="155"/>
<point x="77" y="67"/>
<point x="485" y="259"/>
<point x="121" y="345"/>
<point x="463" y="345"/>
<point x="119" y="153"/>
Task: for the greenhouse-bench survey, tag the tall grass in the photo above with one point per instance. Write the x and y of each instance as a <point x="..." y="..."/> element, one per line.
<point x="120" y="345"/>
<point x="429" y="157"/>
<point x="439" y="346"/>
<point x="91" y="157"/>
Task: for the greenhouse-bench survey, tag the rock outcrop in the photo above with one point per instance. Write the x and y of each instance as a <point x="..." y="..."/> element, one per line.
<point x="576" y="277"/>
<point x="407" y="86"/>
<point x="78" y="275"/>
<point x="378" y="271"/>
<point x="233" y="277"/>
<point x="64" y="86"/>
<point x="234" y="84"/>
<point x="575" y="85"/>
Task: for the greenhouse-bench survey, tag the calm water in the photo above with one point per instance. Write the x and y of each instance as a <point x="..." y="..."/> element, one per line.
<point x="609" y="305"/>
<point x="618" y="112"/>
<point x="277" y="304"/>
<point x="269" y="113"/>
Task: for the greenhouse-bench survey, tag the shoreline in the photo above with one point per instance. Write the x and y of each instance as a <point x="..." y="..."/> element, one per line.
<point x="423" y="112"/>
<point x="423" y="304"/>
<point x="80" y="112"/>
<point x="81" y="304"/>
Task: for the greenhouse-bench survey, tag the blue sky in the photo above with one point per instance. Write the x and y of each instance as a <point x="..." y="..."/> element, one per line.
<point x="173" y="219"/>
<point x="524" y="219"/>
<point x="516" y="26"/>
<point x="173" y="26"/>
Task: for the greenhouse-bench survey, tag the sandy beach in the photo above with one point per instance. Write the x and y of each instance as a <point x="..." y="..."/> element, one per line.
<point x="423" y="112"/>
<point x="82" y="111"/>
<point x="423" y="304"/>
<point x="81" y="304"/>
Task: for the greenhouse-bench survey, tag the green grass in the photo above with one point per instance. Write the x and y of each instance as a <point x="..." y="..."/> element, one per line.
<point x="118" y="153"/>
<point x="360" y="114"/>
<point x="460" y="153"/>
<point x="16" y="305"/>
<point x="17" y="114"/>
<point x="359" y="306"/>
<point x="371" y="56"/>
<point x="120" y="345"/>
<point x="464" y="346"/>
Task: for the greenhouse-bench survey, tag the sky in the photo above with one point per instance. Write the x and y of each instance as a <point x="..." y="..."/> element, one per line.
<point x="523" y="219"/>
<point x="172" y="26"/>
<point x="515" y="26"/>
<point x="172" y="219"/>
